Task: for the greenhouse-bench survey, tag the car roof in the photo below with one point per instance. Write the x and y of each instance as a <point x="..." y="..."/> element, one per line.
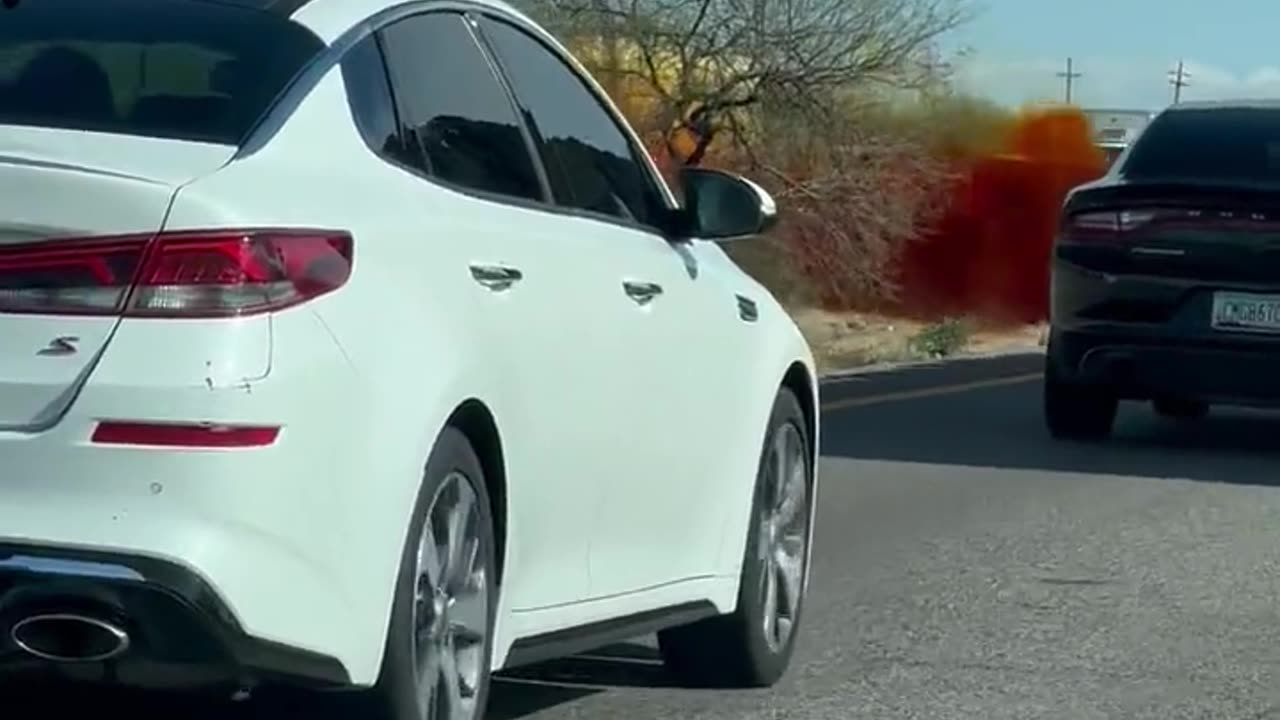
<point x="1239" y="104"/>
<point x="329" y="19"/>
<point x="277" y="7"/>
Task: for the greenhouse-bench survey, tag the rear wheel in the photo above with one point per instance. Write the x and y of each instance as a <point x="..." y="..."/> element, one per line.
<point x="436" y="663"/>
<point x="1181" y="408"/>
<point x="753" y="646"/>
<point x="1075" y="411"/>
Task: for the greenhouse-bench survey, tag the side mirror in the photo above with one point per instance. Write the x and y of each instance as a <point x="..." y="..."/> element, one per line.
<point x="724" y="206"/>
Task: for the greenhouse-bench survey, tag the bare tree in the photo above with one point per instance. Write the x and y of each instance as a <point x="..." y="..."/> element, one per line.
<point x="709" y="61"/>
<point x="794" y="87"/>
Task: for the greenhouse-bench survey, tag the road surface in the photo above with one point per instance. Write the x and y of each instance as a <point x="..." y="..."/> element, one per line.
<point x="969" y="567"/>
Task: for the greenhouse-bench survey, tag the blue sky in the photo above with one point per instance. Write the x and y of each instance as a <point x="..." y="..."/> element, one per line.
<point x="1124" y="49"/>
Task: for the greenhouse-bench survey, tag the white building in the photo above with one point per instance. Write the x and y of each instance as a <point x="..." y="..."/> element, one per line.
<point x="1113" y="130"/>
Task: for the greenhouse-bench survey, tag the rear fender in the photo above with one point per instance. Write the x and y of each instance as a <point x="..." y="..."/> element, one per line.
<point x="398" y="414"/>
<point x="414" y="359"/>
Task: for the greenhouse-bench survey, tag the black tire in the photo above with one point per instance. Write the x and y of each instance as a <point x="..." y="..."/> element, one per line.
<point x="1075" y="411"/>
<point x="1180" y="409"/>
<point x="395" y="695"/>
<point x="732" y="651"/>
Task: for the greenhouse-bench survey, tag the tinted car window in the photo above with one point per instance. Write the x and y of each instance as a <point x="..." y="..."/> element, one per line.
<point x="179" y="69"/>
<point x="589" y="161"/>
<point x="455" y="108"/>
<point x="372" y="106"/>
<point x="1241" y="144"/>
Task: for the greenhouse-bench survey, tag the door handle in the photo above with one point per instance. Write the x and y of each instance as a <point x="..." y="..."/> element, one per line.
<point x="642" y="292"/>
<point x="496" y="277"/>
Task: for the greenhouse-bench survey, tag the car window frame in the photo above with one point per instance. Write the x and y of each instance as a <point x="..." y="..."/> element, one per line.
<point x="377" y="34"/>
<point x="639" y="155"/>
<point x="274" y="119"/>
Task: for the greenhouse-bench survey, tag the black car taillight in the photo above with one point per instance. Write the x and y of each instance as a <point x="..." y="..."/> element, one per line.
<point x="1106" y="225"/>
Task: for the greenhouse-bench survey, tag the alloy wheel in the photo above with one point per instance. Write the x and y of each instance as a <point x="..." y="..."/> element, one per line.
<point x="451" y="604"/>
<point x="784" y="535"/>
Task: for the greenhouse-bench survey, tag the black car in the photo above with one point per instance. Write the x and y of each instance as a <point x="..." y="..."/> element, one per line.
<point x="1166" y="274"/>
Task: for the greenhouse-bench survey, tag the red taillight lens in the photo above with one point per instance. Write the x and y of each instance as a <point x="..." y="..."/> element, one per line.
<point x="217" y="273"/>
<point x="1106" y="225"/>
<point x="183" y="435"/>
<point x="79" y="276"/>
<point x="220" y="273"/>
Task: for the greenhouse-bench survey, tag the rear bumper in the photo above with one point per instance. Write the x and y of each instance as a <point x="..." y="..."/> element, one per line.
<point x="181" y="633"/>
<point x="1140" y="365"/>
<point x="299" y="541"/>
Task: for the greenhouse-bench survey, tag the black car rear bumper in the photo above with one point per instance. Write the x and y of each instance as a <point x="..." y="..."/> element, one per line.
<point x="181" y="635"/>
<point x="1144" y="365"/>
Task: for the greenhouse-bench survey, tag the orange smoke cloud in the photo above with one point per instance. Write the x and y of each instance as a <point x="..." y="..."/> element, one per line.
<point x="989" y="254"/>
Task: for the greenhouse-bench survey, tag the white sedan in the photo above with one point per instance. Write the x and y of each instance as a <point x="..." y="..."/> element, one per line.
<point x="358" y="345"/>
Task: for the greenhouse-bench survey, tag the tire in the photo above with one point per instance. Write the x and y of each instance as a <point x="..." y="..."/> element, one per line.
<point x="453" y="475"/>
<point x="1181" y="409"/>
<point x="1075" y="411"/>
<point x="737" y="651"/>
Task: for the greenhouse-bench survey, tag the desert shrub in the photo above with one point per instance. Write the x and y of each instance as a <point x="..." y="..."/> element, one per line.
<point x="942" y="339"/>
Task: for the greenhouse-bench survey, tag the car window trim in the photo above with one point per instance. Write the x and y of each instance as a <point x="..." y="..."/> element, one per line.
<point x="495" y="67"/>
<point x="310" y="76"/>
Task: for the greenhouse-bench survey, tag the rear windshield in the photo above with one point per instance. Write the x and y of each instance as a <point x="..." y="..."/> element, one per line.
<point x="184" y="69"/>
<point x="1232" y="144"/>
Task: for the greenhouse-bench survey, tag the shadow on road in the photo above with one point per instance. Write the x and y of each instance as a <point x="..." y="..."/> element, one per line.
<point x="514" y="695"/>
<point x="1002" y="427"/>
<point x="522" y="692"/>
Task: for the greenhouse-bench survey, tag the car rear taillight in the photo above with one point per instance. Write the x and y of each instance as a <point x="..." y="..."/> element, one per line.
<point x="1106" y="225"/>
<point x="214" y="273"/>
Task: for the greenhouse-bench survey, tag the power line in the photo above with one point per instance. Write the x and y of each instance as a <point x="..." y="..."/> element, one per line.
<point x="1178" y="79"/>
<point x="1070" y="75"/>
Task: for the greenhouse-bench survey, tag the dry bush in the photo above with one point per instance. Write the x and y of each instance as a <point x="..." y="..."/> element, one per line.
<point x="807" y="97"/>
<point x="857" y="189"/>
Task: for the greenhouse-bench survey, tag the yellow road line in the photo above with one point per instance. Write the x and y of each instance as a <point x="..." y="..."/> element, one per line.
<point x="929" y="392"/>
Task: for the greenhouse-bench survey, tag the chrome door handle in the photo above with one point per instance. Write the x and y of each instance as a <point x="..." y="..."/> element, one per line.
<point x="642" y="292"/>
<point x="496" y="277"/>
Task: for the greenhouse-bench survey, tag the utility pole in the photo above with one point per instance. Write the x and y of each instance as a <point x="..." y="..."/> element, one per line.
<point x="1178" y="79"/>
<point x="1070" y="75"/>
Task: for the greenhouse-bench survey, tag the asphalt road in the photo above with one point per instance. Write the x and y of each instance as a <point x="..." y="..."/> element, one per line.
<point x="969" y="567"/>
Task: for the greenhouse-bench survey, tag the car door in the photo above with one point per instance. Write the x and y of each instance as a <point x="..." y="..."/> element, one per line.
<point x="652" y="524"/>
<point x="484" y="213"/>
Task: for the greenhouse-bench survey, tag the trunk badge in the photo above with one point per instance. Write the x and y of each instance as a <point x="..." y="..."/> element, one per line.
<point x="65" y="345"/>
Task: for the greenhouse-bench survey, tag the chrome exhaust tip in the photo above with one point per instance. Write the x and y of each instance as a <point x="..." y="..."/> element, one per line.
<point x="69" y="638"/>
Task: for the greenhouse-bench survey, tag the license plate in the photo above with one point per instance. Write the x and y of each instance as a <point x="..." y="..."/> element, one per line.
<point x="1245" y="312"/>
